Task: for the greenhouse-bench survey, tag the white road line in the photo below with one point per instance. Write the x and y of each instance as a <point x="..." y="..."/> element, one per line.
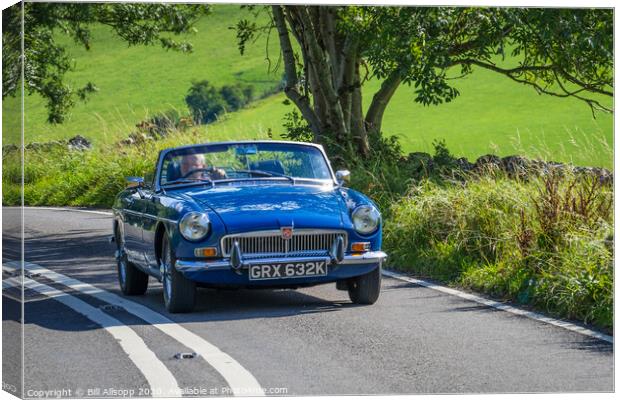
<point x="15" y="282"/>
<point x="160" y="379"/>
<point x="504" y="307"/>
<point x="68" y="209"/>
<point x="11" y="282"/>
<point x="240" y="380"/>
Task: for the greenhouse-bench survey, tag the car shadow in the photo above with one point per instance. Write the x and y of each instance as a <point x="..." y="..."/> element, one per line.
<point x="211" y="306"/>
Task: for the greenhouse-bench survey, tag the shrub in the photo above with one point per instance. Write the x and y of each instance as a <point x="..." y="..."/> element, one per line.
<point x="237" y="96"/>
<point x="205" y="102"/>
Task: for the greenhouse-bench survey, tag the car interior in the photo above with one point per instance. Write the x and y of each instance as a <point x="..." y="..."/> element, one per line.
<point x="173" y="169"/>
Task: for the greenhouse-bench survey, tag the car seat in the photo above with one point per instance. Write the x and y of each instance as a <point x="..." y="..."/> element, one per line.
<point x="173" y="171"/>
<point x="274" y="166"/>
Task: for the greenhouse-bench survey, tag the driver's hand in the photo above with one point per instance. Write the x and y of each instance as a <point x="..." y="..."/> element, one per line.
<point x="217" y="173"/>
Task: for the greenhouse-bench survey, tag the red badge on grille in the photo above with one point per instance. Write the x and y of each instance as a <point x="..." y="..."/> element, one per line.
<point x="287" y="232"/>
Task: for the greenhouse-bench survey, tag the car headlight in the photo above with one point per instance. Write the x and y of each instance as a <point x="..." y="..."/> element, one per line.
<point x="366" y="219"/>
<point x="194" y="225"/>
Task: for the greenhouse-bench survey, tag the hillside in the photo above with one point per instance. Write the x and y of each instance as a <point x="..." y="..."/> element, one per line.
<point x="135" y="82"/>
<point x="492" y="114"/>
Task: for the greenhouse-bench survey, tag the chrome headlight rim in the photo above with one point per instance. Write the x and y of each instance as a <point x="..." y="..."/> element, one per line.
<point x="372" y="212"/>
<point x="195" y="226"/>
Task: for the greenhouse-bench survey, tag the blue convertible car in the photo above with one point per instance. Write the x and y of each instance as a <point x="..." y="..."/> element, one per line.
<point x="259" y="214"/>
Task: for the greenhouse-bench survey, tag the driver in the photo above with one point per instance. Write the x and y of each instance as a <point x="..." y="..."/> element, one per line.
<point x="196" y="162"/>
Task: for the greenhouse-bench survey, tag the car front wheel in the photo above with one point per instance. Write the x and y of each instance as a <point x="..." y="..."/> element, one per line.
<point x="365" y="289"/>
<point x="179" y="292"/>
<point x="131" y="280"/>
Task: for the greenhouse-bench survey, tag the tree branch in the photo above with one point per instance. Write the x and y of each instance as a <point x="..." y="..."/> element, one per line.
<point x="510" y="73"/>
<point x="380" y="100"/>
<point x="329" y="40"/>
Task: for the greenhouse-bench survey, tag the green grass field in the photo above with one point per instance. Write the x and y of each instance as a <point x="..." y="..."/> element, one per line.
<point x="135" y="82"/>
<point x="492" y="115"/>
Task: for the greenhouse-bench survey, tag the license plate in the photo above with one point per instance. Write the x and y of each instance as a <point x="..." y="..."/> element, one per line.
<point x="287" y="270"/>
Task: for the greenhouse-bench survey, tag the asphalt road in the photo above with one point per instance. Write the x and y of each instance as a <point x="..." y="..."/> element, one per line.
<point x="307" y="342"/>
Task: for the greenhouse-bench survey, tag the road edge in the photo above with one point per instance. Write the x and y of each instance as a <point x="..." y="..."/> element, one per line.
<point x="501" y="306"/>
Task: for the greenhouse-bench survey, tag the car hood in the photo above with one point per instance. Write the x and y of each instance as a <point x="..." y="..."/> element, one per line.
<point x="264" y="206"/>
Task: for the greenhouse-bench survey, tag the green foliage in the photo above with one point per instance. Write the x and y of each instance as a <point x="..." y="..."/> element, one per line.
<point x="47" y="61"/>
<point x="556" y="50"/>
<point x="237" y="96"/>
<point x="141" y="76"/>
<point x="296" y="128"/>
<point x="207" y="103"/>
<point x="492" y="115"/>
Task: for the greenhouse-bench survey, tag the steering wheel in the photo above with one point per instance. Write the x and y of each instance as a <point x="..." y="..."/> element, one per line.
<point x="193" y="171"/>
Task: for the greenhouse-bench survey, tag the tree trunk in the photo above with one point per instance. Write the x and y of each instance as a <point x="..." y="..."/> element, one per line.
<point x="331" y="73"/>
<point x="358" y="128"/>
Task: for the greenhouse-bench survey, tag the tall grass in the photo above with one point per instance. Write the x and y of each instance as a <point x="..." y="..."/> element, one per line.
<point x="90" y="178"/>
<point x="546" y="242"/>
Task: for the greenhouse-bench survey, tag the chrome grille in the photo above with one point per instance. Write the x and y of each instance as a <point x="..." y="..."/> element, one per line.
<point x="303" y="242"/>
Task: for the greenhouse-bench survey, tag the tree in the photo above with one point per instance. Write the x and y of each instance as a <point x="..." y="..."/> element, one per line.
<point x="46" y="62"/>
<point x="329" y="52"/>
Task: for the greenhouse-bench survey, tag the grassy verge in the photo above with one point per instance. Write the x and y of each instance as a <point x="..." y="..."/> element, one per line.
<point x="547" y="242"/>
<point x="91" y="178"/>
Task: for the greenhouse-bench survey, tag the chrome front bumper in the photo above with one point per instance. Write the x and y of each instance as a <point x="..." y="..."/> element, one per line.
<point x="371" y="257"/>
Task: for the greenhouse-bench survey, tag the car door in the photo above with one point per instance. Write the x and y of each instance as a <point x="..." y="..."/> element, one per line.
<point x="132" y="226"/>
<point x="149" y="225"/>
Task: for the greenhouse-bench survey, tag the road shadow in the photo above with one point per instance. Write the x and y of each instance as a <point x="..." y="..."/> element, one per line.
<point x="211" y="306"/>
<point x="587" y="344"/>
<point x="591" y="345"/>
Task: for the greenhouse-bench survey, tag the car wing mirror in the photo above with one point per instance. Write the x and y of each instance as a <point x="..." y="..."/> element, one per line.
<point x="343" y="176"/>
<point x="136" y="182"/>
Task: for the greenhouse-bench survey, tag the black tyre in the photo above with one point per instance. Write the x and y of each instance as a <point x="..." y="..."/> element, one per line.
<point x="179" y="292"/>
<point x="132" y="281"/>
<point x="365" y="289"/>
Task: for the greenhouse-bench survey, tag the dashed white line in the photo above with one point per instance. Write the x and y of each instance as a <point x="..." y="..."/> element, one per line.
<point x="240" y="380"/>
<point x="501" y="306"/>
<point x="160" y="379"/>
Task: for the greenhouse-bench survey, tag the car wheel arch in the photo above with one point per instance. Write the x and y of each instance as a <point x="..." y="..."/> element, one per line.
<point x="117" y="229"/>
<point x="160" y="233"/>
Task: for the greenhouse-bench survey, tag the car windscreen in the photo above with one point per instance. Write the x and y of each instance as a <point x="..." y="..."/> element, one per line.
<point x="241" y="161"/>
